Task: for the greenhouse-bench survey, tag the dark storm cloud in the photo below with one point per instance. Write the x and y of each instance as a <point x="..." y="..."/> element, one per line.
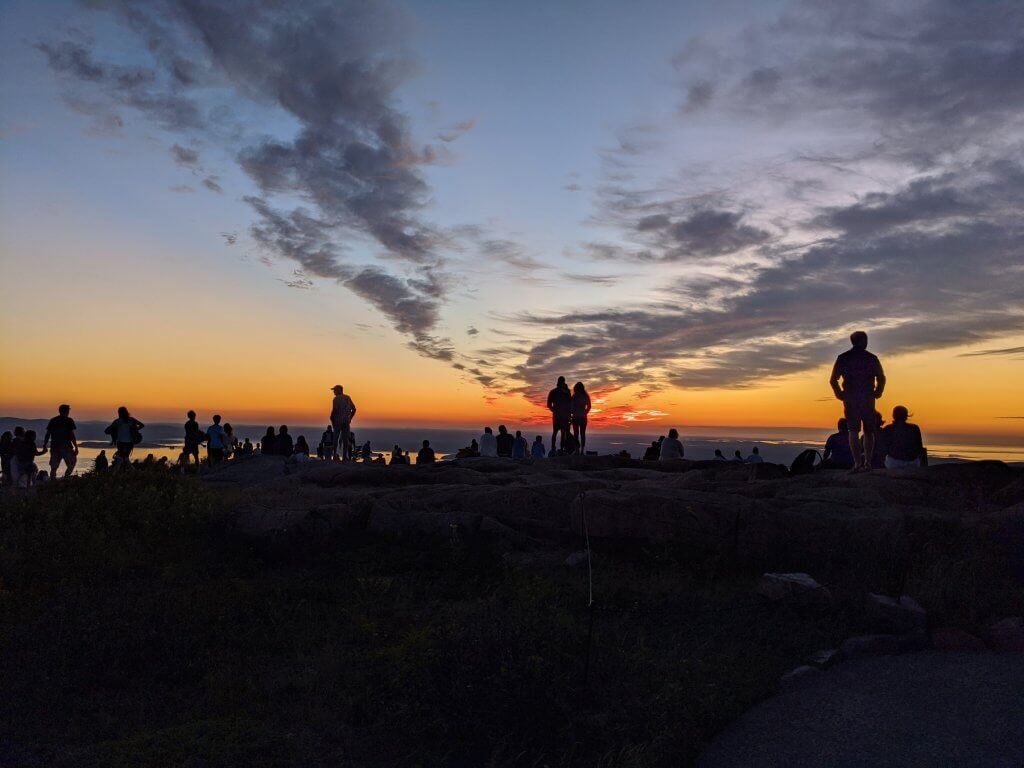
<point x="332" y="67"/>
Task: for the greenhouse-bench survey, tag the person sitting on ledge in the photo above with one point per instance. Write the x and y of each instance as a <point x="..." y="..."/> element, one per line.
<point x="755" y="457"/>
<point x="505" y="442"/>
<point x="719" y="456"/>
<point x="426" y="454"/>
<point x="737" y="456"/>
<point x="284" y="445"/>
<point x="538" y="450"/>
<point x="268" y="446"/>
<point x="902" y="440"/>
<point x="653" y="453"/>
<point x="672" y="447"/>
<point x="520" y="448"/>
<point x="398" y="456"/>
<point x="488" y="444"/>
<point x="837" y="453"/>
<point x="470" y="451"/>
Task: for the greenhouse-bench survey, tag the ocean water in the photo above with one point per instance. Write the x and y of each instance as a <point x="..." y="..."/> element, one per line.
<point x="776" y="444"/>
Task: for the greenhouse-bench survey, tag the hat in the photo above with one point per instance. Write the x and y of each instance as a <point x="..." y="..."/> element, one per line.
<point x="336" y="387"/>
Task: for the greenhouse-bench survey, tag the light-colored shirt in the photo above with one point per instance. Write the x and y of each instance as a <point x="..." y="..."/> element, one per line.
<point x="755" y="458"/>
<point x="215" y="434"/>
<point x="671" y="448"/>
<point x="538" y="451"/>
<point x="488" y="445"/>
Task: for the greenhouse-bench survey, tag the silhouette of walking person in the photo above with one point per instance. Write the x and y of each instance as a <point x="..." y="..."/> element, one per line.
<point x="60" y="436"/>
<point x="343" y="410"/>
<point x="579" y="411"/>
<point x="560" y="405"/>
<point x="125" y="433"/>
<point x="863" y="382"/>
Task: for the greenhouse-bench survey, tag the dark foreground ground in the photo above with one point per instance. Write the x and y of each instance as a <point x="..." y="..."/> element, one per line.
<point x="153" y="620"/>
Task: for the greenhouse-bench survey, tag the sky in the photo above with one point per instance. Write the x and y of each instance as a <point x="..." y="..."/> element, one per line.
<point x="689" y="206"/>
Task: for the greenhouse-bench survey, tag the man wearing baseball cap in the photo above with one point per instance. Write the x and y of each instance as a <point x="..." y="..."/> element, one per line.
<point x="342" y="412"/>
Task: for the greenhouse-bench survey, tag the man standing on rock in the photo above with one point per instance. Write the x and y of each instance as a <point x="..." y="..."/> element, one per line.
<point x="343" y="410"/>
<point x="862" y="383"/>
<point x="560" y="405"/>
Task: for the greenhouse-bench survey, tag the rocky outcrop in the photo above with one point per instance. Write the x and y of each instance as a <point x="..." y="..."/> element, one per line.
<point x="761" y="518"/>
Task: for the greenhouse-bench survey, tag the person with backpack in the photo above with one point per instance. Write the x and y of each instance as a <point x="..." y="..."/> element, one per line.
<point x="858" y="380"/>
<point x="125" y="433"/>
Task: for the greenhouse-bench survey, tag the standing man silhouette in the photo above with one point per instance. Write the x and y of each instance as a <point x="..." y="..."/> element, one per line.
<point x="343" y="410"/>
<point x="60" y="435"/>
<point x="863" y="382"/>
<point x="560" y="405"/>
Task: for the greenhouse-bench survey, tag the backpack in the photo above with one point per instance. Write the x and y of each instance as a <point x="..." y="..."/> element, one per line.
<point x="804" y="464"/>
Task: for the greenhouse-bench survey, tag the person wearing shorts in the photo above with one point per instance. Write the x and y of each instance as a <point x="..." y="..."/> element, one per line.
<point x="858" y="380"/>
<point x="60" y="436"/>
<point x="560" y="405"/>
<point x="343" y="410"/>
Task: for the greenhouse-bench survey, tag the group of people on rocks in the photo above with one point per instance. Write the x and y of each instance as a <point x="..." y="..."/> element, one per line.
<point x="858" y="380"/>
<point x="863" y="440"/>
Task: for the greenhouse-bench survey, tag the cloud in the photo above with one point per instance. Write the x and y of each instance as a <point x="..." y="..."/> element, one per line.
<point x="578" y="277"/>
<point x="1006" y="352"/>
<point x="184" y="188"/>
<point x="185" y="156"/>
<point x="230" y="238"/>
<point x="471" y="331"/>
<point x="572" y="187"/>
<point x="332" y="69"/>
<point x="456" y="131"/>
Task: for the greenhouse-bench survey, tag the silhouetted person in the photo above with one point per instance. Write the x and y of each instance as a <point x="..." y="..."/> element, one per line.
<point x="301" y="446"/>
<point x="560" y="405"/>
<point x="505" y="442"/>
<point x="125" y="433"/>
<point x="863" y="382"/>
<point x="42" y="478"/>
<point x="653" y="452"/>
<point x="426" y="454"/>
<point x="6" y="456"/>
<point x="215" y="441"/>
<point x="903" y="442"/>
<point x="488" y="444"/>
<point x="268" y="445"/>
<point x="537" y="449"/>
<point x="194" y="437"/>
<point x="570" y="445"/>
<point x="398" y="456"/>
<point x="343" y="410"/>
<point x="230" y="441"/>
<point x="755" y="457"/>
<point x="25" y="453"/>
<point x="579" y="410"/>
<point x="719" y="456"/>
<point x="326" y="448"/>
<point x="837" y="448"/>
<point x="671" y="447"/>
<point x="284" y="445"/>
<point x="60" y="437"/>
<point x="101" y="464"/>
<point x="737" y="456"/>
<point x="879" y="449"/>
<point x="247" y="448"/>
<point x="520" y="448"/>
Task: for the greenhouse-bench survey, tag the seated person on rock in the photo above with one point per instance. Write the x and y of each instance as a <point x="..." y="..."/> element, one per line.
<point x="538" y="450"/>
<point x="488" y="444"/>
<point x="902" y="440"/>
<point x="505" y="442"/>
<point x="755" y="457"/>
<point x="426" y="454"/>
<point x="520" y="448"/>
<point x="837" y="453"/>
<point x="671" y="447"/>
<point x="653" y="452"/>
<point x="719" y="456"/>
